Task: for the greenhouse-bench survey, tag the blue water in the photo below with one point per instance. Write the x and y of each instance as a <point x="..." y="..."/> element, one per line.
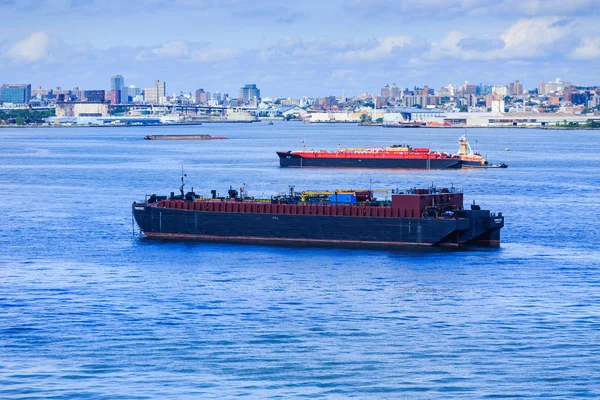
<point x="91" y="309"/>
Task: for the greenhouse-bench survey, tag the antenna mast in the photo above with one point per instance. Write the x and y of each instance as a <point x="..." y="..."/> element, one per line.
<point x="182" y="183"/>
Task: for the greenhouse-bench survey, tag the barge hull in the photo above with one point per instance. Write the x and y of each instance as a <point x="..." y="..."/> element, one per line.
<point x="167" y="223"/>
<point x="295" y="160"/>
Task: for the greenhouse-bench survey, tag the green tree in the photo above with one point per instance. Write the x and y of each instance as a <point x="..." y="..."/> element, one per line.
<point x="20" y="121"/>
<point x="464" y="108"/>
<point x="365" y="118"/>
<point x="379" y="120"/>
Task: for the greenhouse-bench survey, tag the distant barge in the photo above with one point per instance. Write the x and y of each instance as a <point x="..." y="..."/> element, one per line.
<point x="184" y="137"/>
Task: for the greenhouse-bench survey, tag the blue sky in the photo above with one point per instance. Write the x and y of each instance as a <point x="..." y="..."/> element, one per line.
<point x="298" y="48"/>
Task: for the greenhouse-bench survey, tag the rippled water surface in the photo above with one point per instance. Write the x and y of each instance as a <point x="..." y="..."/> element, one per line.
<point x="91" y="309"/>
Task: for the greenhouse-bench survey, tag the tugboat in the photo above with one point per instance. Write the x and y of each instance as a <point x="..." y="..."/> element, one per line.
<point x="471" y="159"/>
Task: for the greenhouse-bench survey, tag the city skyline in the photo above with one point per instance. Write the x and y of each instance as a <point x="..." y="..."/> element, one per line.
<point x="299" y="49"/>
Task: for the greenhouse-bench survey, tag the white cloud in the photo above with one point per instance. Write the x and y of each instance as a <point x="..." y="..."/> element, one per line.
<point x="448" y="46"/>
<point x="528" y="37"/>
<point x="381" y="48"/>
<point x="458" y="8"/>
<point x="186" y="51"/>
<point x="175" y="48"/>
<point x="213" y="55"/>
<point x="587" y="50"/>
<point x="33" y="48"/>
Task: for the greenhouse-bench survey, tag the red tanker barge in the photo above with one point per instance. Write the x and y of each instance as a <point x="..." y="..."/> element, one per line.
<point x="395" y="156"/>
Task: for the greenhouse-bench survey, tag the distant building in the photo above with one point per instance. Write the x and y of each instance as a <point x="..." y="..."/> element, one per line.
<point x="117" y="82"/>
<point x="500" y="90"/>
<point x="114" y="96"/>
<point x="156" y="94"/>
<point x="161" y="87"/>
<point x="15" y="93"/>
<point x="394" y="91"/>
<point x="484" y="88"/>
<point x="545" y="88"/>
<point x="202" y="97"/>
<point x="248" y="93"/>
<point x="74" y="109"/>
<point x="467" y="89"/>
<point x="385" y="91"/>
<point x="515" y="88"/>
<point x="94" y="96"/>
<point x="129" y="94"/>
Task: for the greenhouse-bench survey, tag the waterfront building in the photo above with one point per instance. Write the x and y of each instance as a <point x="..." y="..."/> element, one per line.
<point x="248" y="93"/>
<point x="15" y="93"/>
<point x="94" y="96"/>
<point x="77" y="110"/>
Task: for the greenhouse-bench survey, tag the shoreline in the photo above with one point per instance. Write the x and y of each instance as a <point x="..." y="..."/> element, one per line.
<point x="547" y="127"/>
<point x="125" y="125"/>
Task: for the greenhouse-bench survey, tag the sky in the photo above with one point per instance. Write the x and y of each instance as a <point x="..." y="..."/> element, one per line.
<point x="298" y="48"/>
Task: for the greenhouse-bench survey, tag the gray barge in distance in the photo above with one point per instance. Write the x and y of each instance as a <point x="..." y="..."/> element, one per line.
<point x="184" y="137"/>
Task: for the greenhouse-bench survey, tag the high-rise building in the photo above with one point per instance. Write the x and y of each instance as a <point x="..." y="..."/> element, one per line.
<point x="344" y="98"/>
<point x="129" y="93"/>
<point x="385" y="91"/>
<point x="114" y="96"/>
<point x="14" y="93"/>
<point x="202" y="97"/>
<point x="117" y="82"/>
<point x="467" y="89"/>
<point x="157" y="93"/>
<point x="161" y="88"/>
<point x="94" y="96"/>
<point x="394" y="91"/>
<point x="248" y="93"/>
<point x="515" y="88"/>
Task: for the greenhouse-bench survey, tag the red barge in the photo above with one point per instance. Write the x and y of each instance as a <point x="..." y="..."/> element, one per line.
<point x="395" y="156"/>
